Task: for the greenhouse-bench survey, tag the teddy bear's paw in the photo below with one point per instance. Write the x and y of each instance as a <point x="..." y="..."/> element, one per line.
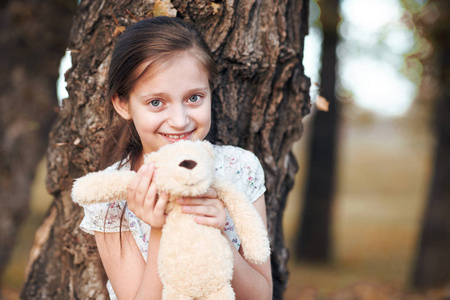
<point x="257" y="252"/>
<point x="254" y="239"/>
<point x="102" y="186"/>
<point x="248" y="223"/>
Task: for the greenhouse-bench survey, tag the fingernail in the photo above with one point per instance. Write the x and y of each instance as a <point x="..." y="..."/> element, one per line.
<point x="186" y="208"/>
<point x="181" y="200"/>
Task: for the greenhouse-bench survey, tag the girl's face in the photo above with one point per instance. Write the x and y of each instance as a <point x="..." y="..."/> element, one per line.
<point x="170" y="104"/>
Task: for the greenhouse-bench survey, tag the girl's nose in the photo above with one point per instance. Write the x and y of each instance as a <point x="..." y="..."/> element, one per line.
<point x="178" y="117"/>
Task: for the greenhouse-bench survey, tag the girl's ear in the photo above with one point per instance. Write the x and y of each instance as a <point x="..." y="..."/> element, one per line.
<point x="121" y="107"/>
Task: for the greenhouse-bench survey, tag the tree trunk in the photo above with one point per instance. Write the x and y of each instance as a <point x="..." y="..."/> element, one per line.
<point x="33" y="38"/>
<point x="433" y="261"/>
<point x="314" y="243"/>
<point x="264" y="95"/>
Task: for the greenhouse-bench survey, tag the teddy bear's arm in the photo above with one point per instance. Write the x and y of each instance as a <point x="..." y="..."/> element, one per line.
<point x="102" y="186"/>
<point x="248" y="223"/>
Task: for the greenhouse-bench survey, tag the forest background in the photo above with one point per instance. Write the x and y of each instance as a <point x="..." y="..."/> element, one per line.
<point x="390" y="78"/>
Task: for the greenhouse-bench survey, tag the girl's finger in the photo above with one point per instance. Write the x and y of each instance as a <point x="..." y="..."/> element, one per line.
<point x="192" y="201"/>
<point x="144" y="183"/>
<point x="210" y="193"/>
<point x="210" y="221"/>
<point x="132" y="188"/>
<point x="161" y="203"/>
<point x="151" y="196"/>
<point x="201" y="210"/>
<point x="200" y="201"/>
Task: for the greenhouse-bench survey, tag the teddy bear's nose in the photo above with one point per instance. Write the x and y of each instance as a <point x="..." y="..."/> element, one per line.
<point x="188" y="164"/>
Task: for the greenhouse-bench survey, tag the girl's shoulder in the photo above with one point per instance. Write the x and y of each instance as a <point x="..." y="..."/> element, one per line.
<point x="233" y="154"/>
<point x="241" y="167"/>
<point x="236" y="158"/>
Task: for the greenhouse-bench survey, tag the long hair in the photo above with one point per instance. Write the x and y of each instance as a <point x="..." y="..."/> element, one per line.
<point x="143" y="46"/>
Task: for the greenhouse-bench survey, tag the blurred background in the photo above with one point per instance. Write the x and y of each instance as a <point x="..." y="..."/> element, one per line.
<point x="366" y="217"/>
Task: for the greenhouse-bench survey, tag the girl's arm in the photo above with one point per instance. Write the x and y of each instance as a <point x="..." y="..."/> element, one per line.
<point x="130" y="276"/>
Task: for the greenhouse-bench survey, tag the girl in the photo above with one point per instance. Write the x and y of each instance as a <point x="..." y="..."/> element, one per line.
<point x="160" y="82"/>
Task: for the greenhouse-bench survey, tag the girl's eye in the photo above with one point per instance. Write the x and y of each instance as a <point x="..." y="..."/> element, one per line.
<point x="194" y="98"/>
<point x="156" y="103"/>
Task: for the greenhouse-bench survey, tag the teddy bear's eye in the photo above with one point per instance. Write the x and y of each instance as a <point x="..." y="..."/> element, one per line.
<point x="188" y="164"/>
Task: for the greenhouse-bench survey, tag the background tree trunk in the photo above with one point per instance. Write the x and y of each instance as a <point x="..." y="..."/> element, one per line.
<point x="259" y="49"/>
<point x="433" y="260"/>
<point x="33" y="38"/>
<point x="314" y="242"/>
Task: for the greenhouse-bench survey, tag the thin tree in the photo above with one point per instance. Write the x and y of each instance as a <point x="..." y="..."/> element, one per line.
<point x="432" y="267"/>
<point x="314" y="242"/>
<point x="33" y="38"/>
<point x="259" y="106"/>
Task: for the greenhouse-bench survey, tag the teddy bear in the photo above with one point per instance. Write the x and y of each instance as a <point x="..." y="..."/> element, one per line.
<point x="195" y="261"/>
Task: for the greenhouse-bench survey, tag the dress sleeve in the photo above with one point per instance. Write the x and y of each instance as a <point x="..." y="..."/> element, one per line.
<point x="252" y="176"/>
<point x="105" y="217"/>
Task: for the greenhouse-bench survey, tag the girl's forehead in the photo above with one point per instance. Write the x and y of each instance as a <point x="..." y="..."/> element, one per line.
<point x="153" y="67"/>
<point x="175" y="74"/>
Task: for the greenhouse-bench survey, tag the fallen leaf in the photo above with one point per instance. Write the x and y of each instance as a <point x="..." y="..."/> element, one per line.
<point x="215" y="7"/>
<point x="322" y="103"/>
<point x="118" y="30"/>
<point x="164" y="8"/>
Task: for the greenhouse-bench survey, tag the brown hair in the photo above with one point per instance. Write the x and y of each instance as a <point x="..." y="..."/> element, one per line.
<point x="147" y="43"/>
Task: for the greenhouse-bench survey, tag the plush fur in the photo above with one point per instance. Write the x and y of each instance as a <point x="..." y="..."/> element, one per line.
<point x="195" y="261"/>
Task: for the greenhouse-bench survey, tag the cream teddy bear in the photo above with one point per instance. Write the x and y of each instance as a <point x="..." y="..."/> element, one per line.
<point x="195" y="261"/>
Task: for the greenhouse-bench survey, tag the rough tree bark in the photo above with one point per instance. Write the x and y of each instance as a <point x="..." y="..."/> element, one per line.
<point x="314" y="242"/>
<point x="264" y="95"/>
<point x="432" y="266"/>
<point x="33" y="38"/>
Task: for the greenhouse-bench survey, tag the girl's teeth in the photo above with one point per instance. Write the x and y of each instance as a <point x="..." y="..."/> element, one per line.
<point x="176" y="136"/>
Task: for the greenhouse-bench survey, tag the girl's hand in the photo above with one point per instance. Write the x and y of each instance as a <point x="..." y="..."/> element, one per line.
<point x="208" y="209"/>
<point x="143" y="200"/>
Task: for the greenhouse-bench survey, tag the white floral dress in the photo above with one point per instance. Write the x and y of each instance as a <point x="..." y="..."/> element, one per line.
<point x="234" y="164"/>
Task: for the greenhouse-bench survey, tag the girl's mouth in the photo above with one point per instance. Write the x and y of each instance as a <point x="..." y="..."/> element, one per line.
<point x="177" y="137"/>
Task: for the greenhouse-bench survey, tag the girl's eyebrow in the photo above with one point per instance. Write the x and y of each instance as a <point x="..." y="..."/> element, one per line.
<point x="197" y="90"/>
<point x="163" y="94"/>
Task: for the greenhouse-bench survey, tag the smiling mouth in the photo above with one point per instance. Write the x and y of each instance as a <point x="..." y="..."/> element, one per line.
<point x="177" y="136"/>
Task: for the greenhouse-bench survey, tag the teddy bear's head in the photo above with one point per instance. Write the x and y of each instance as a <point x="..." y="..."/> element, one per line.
<point x="184" y="168"/>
